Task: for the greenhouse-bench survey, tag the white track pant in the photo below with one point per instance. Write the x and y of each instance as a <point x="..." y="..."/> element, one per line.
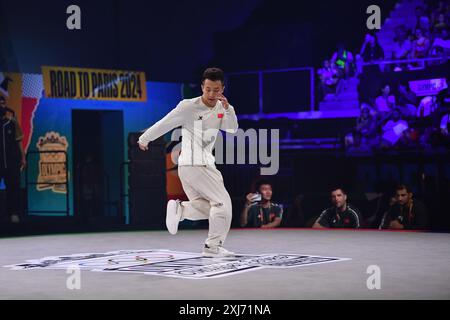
<point x="208" y="199"/>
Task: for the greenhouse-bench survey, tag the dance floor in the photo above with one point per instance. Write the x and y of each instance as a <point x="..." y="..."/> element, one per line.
<point x="407" y="265"/>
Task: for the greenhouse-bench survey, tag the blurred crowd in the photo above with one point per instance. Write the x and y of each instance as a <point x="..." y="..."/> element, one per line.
<point x="401" y="120"/>
<point x="397" y="118"/>
<point x="429" y="38"/>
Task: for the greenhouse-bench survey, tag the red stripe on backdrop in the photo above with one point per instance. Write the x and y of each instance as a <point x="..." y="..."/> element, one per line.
<point x="29" y="106"/>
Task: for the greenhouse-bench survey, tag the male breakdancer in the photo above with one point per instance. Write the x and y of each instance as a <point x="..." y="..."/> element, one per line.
<point x="200" y="119"/>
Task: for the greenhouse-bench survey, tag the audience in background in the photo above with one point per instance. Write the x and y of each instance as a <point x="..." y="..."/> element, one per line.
<point x="441" y="44"/>
<point x="440" y="23"/>
<point x="393" y="130"/>
<point x="406" y="213"/>
<point x="366" y="124"/>
<point x="407" y="100"/>
<point x="402" y="45"/>
<point x="426" y="107"/>
<point x="335" y="72"/>
<point x="371" y="49"/>
<point x="329" y="78"/>
<point x="401" y="121"/>
<point x="428" y="38"/>
<point x="384" y="103"/>
<point x="364" y="135"/>
<point x="341" y="214"/>
<point x="343" y="59"/>
<point x="259" y="210"/>
<point x="422" y="19"/>
<point x="430" y="35"/>
<point x="420" y="45"/>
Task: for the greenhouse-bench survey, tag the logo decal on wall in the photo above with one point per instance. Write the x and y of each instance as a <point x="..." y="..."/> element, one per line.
<point x="52" y="162"/>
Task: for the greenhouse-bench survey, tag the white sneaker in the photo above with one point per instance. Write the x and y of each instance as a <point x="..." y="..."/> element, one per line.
<point x="216" y="252"/>
<point x="173" y="216"/>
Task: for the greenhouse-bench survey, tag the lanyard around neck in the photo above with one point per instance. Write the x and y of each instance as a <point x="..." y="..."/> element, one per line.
<point x="261" y="211"/>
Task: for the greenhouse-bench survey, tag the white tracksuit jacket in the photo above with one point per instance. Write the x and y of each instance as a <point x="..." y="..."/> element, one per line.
<point x="200" y="125"/>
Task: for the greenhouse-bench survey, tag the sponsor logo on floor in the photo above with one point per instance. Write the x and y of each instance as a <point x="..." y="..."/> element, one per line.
<point x="176" y="264"/>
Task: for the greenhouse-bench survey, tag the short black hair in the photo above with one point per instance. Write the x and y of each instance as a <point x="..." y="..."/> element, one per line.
<point x="213" y="74"/>
<point x="262" y="182"/>
<point x="403" y="187"/>
<point x="338" y="188"/>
